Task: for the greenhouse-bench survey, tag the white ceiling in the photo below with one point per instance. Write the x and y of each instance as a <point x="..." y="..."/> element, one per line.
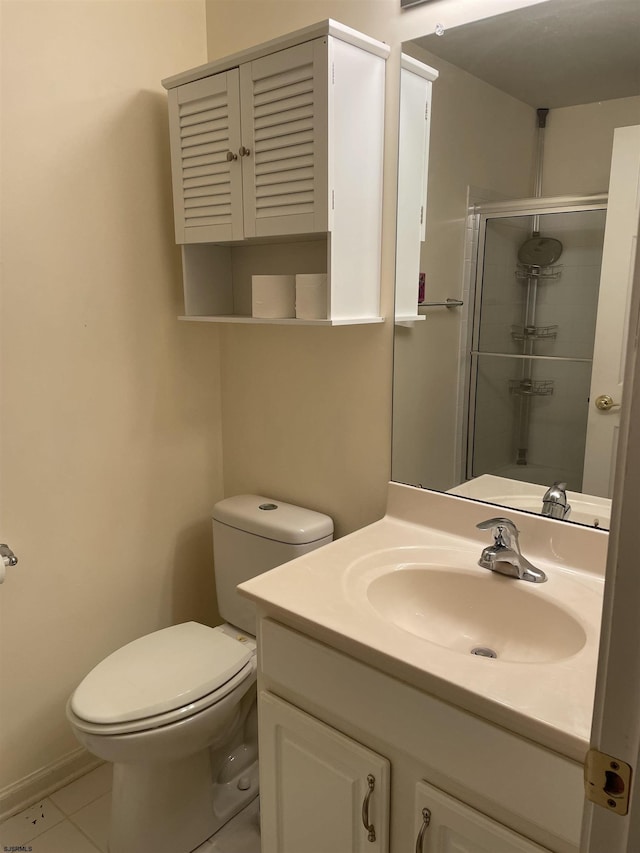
<point x="554" y="54"/>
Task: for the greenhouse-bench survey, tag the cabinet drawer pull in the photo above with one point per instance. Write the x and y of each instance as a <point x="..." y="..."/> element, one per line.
<point x="426" y="820"/>
<point x="231" y="156"/>
<point x="371" y="783"/>
<point x="244" y="152"/>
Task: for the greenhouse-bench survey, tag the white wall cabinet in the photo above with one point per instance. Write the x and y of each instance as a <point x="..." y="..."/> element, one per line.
<point x="249" y="149"/>
<point x="277" y="169"/>
<point x="328" y="720"/>
<point x="323" y="791"/>
<point x="416" y="80"/>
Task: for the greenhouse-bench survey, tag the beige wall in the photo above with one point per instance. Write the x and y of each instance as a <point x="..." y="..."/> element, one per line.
<point x="111" y="419"/>
<point x="307" y="410"/>
<point x="587" y="128"/>
<point x="307" y="413"/>
<point x="111" y="437"/>
<point x="480" y="137"/>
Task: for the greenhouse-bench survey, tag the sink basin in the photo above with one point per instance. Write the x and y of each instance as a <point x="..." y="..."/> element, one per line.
<point x="405" y="596"/>
<point x="468" y="609"/>
<point x="585" y="509"/>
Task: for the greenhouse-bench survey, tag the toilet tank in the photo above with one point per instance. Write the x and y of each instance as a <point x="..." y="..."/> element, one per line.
<point x="252" y="534"/>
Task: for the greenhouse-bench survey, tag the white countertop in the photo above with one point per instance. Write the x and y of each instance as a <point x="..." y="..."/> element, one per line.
<point x="323" y="594"/>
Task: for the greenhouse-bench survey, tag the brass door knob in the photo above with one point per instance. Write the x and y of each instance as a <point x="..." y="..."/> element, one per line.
<point x="604" y="403"/>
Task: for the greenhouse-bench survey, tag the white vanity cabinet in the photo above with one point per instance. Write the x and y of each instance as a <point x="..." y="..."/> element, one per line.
<point x="277" y="169"/>
<point x="413" y="166"/>
<point x="328" y="721"/>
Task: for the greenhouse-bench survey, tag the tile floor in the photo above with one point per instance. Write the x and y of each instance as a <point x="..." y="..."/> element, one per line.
<point x="75" y="819"/>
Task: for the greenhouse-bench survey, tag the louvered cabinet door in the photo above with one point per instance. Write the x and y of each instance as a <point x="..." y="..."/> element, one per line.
<point x="204" y="120"/>
<point x="284" y="131"/>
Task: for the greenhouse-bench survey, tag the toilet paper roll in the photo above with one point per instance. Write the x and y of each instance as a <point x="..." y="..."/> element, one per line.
<point x="311" y="296"/>
<point x="273" y="296"/>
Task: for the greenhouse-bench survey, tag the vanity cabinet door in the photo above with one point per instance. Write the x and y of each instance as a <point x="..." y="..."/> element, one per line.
<point x="318" y="787"/>
<point x="204" y="123"/>
<point x="445" y="825"/>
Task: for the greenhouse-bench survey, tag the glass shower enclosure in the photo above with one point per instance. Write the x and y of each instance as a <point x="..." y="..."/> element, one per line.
<point x="532" y="340"/>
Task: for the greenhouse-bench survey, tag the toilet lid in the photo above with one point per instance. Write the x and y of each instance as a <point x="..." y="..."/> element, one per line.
<point x="159" y="672"/>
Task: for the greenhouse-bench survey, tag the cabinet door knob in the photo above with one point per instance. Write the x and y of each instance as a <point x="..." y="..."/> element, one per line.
<point x="426" y="820"/>
<point x="371" y="783"/>
<point x="244" y="152"/>
<point x="231" y="156"/>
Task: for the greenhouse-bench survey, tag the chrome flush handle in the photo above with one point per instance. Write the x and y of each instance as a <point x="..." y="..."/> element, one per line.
<point x="8" y="559"/>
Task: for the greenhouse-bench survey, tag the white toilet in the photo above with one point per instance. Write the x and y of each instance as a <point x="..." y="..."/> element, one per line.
<point x="175" y="711"/>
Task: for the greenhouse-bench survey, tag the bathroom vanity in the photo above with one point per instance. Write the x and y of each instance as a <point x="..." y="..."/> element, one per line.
<point x="383" y="725"/>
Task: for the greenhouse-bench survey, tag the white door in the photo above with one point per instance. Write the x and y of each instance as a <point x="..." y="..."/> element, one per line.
<point x="620" y="239"/>
<point x="445" y="825"/>
<point x="616" y="722"/>
<point x="318" y="787"/>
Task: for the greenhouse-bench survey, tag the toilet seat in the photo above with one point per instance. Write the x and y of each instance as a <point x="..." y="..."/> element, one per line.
<point x="162" y="678"/>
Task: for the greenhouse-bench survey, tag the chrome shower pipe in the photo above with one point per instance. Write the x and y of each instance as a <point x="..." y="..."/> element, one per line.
<point x="529" y="319"/>
<point x="542" y="113"/>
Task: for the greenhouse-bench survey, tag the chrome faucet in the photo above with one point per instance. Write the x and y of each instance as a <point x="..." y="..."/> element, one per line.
<point x="554" y="502"/>
<point x="504" y="556"/>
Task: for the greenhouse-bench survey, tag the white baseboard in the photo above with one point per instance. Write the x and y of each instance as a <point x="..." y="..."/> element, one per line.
<point x="27" y="791"/>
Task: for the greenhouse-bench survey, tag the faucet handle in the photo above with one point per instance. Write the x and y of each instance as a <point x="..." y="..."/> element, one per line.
<point x="555" y="503"/>
<point x="497" y="522"/>
<point x="505" y="551"/>
<point x="556" y="493"/>
<point x="503" y="530"/>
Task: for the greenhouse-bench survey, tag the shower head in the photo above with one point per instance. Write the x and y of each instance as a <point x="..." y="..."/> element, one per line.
<point x="540" y="251"/>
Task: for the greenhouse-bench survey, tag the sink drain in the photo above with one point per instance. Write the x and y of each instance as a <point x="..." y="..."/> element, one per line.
<point x="484" y="652"/>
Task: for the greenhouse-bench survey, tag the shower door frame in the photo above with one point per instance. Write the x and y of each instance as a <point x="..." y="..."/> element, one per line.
<point x="479" y="215"/>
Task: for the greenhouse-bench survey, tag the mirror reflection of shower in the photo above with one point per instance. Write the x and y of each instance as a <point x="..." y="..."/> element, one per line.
<point x="532" y="345"/>
<point x="536" y="264"/>
<point x="537" y="258"/>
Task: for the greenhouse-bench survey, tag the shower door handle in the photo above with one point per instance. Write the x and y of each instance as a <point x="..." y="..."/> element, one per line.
<point x="604" y="403"/>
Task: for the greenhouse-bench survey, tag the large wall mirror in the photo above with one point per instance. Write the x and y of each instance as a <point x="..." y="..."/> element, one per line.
<point x="508" y="379"/>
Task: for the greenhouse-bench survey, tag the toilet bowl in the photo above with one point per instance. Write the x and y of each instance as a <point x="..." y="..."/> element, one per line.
<point x="175" y="710"/>
<point x="179" y="728"/>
